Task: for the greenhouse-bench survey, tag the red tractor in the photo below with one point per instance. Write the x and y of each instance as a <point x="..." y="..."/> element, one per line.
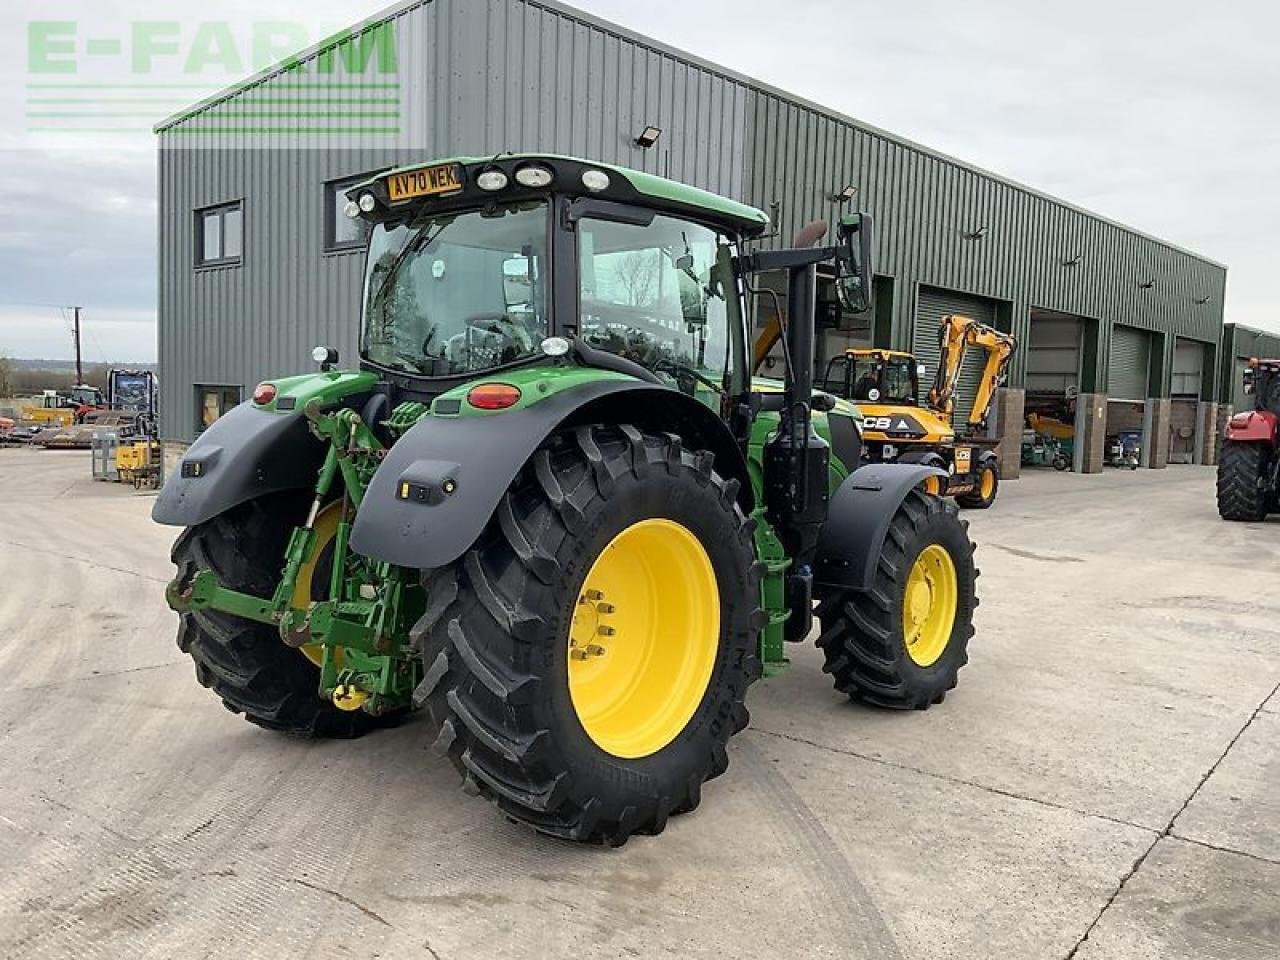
<point x="1249" y="468"/>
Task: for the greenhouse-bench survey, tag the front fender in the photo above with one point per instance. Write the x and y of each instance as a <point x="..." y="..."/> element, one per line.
<point x="858" y="520"/>
<point x="245" y="454"/>
<point x="442" y="481"/>
<point x="1253" y="425"/>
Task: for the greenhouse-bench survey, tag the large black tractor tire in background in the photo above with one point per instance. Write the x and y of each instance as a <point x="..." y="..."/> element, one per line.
<point x="244" y="662"/>
<point x="1242" y="480"/>
<point x="882" y="646"/>
<point x="986" y="486"/>
<point x="502" y="647"/>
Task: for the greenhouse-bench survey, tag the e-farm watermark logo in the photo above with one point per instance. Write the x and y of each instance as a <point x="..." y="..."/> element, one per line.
<point x="126" y="79"/>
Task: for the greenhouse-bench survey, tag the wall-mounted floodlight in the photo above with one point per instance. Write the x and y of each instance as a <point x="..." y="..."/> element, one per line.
<point x="979" y="234"/>
<point x="1073" y="260"/>
<point x="648" y="137"/>
<point x="845" y="195"/>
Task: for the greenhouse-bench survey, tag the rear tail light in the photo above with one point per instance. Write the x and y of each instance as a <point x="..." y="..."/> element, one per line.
<point x="264" y="393"/>
<point x="493" y="396"/>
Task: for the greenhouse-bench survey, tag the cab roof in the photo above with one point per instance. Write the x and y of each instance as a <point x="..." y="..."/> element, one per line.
<point x="658" y="191"/>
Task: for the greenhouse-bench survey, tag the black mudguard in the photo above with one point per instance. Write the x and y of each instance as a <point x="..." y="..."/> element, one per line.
<point x="928" y="458"/>
<point x="442" y="481"/>
<point x="245" y="454"/>
<point x="858" y="520"/>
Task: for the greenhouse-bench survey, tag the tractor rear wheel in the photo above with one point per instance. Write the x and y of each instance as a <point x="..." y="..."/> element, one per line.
<point x="245" y="662"/>
<point x="985" y="488"/>
<point x="902" y="643"/>
<point x="1242" y="484"/>
<point x="587" y="661"/>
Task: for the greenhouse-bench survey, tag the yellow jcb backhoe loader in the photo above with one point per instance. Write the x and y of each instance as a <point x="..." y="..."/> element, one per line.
<point x="901" y="427"/>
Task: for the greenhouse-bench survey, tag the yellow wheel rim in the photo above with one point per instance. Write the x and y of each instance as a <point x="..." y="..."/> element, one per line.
<point x="326" y="528"/>
<point x="929" y="605"/>
<point x="987" y="486"/>
<point x="644" y="637"/>
<point x="933" y="486"/>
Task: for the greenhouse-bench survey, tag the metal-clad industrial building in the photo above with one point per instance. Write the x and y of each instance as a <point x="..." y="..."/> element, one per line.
<point x="1097" y="307"/>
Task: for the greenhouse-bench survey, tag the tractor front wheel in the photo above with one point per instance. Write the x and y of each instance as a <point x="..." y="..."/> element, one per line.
<point x="1242" y="483"/>
<point x="587" y="661"/>
<point x="902" y="643"/>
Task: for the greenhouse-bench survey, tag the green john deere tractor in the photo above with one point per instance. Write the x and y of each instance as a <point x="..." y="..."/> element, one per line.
<point x="551" y="507"/>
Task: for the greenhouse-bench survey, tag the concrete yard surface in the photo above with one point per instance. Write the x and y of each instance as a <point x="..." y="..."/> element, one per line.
<point x="1105" y="782"/>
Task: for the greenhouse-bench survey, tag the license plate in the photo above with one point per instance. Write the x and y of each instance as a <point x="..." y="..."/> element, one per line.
<point x="427" y="182"/>
<point x="964" y="456"/>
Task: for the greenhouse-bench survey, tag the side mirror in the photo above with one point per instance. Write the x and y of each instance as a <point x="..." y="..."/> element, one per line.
<point x="853" y="262"/>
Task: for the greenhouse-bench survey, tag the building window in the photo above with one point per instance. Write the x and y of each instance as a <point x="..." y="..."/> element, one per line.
<point x="212" y="401"/>
<point x="219" y="235"/>
<point x="340" y="231"/>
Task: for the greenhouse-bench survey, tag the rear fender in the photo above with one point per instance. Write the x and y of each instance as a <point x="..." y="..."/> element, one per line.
<point x="407" y="518"/>
<point x="1253" y="425"/>
<point x="245" y="454"/>
<point x="858" y="520"/>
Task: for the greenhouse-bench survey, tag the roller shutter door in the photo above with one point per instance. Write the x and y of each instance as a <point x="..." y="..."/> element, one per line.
<point x="932" y="306"/>
<point x="1188" y="368"/>
<point x="1129" y="369"/>
<point x="1053" y="355"/>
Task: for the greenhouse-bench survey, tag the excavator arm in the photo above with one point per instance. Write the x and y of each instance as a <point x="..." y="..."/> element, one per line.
<point x="999" y="347"/>
<point x="955" y="335"/>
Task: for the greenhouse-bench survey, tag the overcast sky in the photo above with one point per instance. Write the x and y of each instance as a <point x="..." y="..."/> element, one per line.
<point x="1159" y="115"/>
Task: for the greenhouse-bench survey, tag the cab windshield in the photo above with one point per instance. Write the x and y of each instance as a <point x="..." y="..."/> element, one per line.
<point x="457" y="292"/>
<point x="665" y="295"/>
<point x="872" y="380"/>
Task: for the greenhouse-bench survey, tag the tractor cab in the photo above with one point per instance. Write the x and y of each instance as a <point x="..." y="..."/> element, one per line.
<point x="1262" y="382"/>
<point x="480" y="266"/>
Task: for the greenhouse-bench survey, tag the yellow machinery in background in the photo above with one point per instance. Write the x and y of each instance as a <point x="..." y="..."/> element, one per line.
<point x="50" y="409"/>
<point x="138" y="462"/>
<point x="902" y="426"/>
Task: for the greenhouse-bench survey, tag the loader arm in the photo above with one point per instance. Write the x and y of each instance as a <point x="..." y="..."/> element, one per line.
<point x="956" y="334"/>
<point x="952" y="332"/>
<point x="999" y="347"/>
<point x="765" y="342"/>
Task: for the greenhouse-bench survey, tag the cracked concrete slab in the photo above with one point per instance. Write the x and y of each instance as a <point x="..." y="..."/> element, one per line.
<point x="1239" y="805"/>
<point x="1192" y="903"/>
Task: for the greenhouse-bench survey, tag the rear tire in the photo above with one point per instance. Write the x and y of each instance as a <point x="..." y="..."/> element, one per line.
<point x="244" y="662"/>
<point x="498" y="680"/>
<point x="987" y="485"/>
<point x="1242" y="472"/>
<point x="864" y="636"/>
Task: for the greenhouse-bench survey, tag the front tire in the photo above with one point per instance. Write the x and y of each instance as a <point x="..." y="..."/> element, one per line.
<point x="244" y="662"/>
<point x="1242" y="472"/>
<point x="902" y="643"/>
<point x="534" y="717"/>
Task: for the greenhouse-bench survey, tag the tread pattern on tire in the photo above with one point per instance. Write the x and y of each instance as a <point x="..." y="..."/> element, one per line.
<point x="1241" y="480"/>
<point x="974" y="499"/>
<point x="484" y="638"/>
<point x="244" y="662"/>
<point x="861" y="636"/>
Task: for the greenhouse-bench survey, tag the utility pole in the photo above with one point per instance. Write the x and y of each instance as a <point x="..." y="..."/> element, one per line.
<point x="76" y="337"/>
